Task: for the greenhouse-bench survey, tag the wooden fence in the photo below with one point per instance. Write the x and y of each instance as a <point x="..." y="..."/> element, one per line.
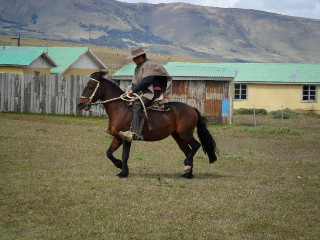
<point x="48" y="94"/>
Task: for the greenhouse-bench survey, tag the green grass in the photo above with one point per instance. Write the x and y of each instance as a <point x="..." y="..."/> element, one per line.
<point x="56" y="182"/>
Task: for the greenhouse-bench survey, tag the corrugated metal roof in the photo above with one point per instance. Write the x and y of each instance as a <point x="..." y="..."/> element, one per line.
<point x="178" y="69"/>
<point x="22" y="58"/>
<point x="63" y="56"/>
<point x="126" y="71"/>
<point x="282" y="73"/>
<point x="275" y="72"/>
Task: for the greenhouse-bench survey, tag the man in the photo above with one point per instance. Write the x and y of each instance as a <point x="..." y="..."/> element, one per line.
<point x="150" y="79"/>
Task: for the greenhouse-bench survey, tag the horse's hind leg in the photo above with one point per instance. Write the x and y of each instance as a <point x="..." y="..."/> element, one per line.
<point x="115" y="144"/>
<point x="189" y="153"/>
<point x="188" y="162"/>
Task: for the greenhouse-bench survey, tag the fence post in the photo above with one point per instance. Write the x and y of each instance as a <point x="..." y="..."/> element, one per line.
<point x="231" y="111"/>
<point x="282" y="115"/>
<point x="254" y="114"/>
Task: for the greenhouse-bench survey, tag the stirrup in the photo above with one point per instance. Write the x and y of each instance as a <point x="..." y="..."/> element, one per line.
<point x="137" y="137"/>
<point x="128" y="135"/>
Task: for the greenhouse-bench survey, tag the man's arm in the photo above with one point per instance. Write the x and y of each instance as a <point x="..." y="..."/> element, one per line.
<point x="144" y="84"/>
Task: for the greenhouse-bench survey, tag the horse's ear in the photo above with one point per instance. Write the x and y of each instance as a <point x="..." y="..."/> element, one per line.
<point x="98" y="75"/>
<point x="95" y="75"/>
<point x="102" y="73"/>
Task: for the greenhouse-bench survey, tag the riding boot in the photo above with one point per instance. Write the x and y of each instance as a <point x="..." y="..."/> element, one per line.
<point x="136" y="120"/>
<point x="134" y="134"/>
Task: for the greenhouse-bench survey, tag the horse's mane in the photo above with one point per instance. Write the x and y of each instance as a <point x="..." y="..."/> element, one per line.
<point x="112" y="85"/>
<point x="99" y="77"/>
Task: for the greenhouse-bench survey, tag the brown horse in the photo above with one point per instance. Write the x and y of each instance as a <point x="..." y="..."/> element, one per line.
<point x="179" y="122"/>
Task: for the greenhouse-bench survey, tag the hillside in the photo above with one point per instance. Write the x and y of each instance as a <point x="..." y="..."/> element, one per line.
<point x="218" y="34"/>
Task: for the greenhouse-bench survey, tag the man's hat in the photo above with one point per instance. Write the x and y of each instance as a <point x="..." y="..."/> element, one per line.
<point x="137" y="52"/>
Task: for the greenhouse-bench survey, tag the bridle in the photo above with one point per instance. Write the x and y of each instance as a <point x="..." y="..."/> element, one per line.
<point x="93" y="93"/>
<point x="124" y="97"/>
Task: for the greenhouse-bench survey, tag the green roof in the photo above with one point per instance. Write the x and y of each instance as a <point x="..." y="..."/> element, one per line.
<point x="22" y="58"/>
<point x="275" y="72"/>
<point x="184" y="70"/>
<point x="126" y="71"/>
<point x="243" y="72"/>
<point x="63" y="56"/>
<point x="177" y="69"/>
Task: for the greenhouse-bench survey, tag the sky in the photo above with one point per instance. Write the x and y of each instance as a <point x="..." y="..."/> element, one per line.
<point x="298" y="8"/>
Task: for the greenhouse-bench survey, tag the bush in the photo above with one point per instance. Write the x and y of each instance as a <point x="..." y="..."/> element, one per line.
<point x="243" y="111"/>
<point x="259" y="111"/>
<point x="287" y="114"/>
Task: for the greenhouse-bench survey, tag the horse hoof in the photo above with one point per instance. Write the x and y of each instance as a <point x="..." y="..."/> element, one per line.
<point x="188" y="176"/>
<point x="121" y="175"/>
<point x="187" y="169"/>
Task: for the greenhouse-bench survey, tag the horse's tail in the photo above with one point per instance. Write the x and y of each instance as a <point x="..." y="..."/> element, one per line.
<point x="208" y="143"/>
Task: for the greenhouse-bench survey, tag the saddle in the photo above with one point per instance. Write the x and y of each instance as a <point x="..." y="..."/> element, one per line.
<point x="159" y="105"/>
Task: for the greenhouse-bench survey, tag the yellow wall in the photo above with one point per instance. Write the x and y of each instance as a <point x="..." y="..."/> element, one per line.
<point x="275" y="96"/>
<point x="11" y="70"/>
<point x="20" y="70"/>
<point x="78" y="71"/>
<point x="71" y="71"/>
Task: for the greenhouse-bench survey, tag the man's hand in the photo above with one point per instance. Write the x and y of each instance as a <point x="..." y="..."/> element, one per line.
<point x="130" y="93"/>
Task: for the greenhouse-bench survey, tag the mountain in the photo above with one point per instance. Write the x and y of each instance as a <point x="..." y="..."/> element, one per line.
<point x="219" y="34"/>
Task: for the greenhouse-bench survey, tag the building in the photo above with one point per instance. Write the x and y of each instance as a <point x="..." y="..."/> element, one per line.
<point x="69" y="60"/>
<point x="25" y="62"/>
<point x="199" y="85"/>
<point x="273" y="86"/>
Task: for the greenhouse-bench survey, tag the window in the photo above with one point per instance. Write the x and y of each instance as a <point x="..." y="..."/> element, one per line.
<point x="309" y="93"/>
<point x="240" y="92"/>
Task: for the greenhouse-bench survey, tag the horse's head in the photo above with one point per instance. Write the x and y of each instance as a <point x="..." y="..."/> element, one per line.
<point x="92" y="92"/>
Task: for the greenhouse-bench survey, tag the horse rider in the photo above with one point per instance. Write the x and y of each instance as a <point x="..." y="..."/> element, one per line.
<point x="151" y="80"/>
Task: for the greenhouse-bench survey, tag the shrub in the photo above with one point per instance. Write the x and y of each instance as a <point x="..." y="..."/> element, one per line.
<point x="287" y="114"/>
<point x="243" y="111"/>
<point x="259" y="111"/>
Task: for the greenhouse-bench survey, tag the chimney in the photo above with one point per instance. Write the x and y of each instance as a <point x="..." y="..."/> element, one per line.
<point x="15" y="41"/>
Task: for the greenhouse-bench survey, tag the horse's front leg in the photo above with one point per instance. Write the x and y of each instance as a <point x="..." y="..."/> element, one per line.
<point x="115" y="144"/>
<point x="125" y="156"/>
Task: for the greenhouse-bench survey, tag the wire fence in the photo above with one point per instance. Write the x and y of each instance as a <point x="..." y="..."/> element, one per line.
<point x="282" y="117"/>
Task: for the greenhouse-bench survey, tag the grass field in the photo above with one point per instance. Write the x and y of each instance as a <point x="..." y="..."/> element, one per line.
<point x="56" y="182"/>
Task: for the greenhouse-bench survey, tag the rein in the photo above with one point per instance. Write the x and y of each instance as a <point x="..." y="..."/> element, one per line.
<point x="123" y="97"/>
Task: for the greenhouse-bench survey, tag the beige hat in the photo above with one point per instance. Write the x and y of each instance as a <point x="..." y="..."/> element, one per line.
<point x="137" y="52"/>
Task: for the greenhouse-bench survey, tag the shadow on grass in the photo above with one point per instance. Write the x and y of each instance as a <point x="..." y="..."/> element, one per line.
<point x="178" y="176"/>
